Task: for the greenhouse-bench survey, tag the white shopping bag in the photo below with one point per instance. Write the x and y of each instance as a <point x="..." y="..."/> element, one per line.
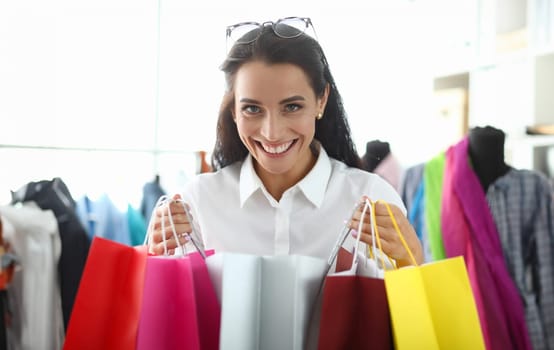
<point x="266" y="301"/>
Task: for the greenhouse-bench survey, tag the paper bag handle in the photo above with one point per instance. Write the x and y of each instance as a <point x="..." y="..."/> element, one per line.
<point x="164" y="199"/>
<point x="375" y="237"/>
<point x="396" y="228"/>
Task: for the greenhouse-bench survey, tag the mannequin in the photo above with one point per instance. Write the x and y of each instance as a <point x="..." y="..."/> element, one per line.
<point x="375" y="152"/>
<point x="486" y="151"/>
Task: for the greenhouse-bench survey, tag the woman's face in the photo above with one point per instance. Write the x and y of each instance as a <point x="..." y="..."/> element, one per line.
<point x="275" y="111"/>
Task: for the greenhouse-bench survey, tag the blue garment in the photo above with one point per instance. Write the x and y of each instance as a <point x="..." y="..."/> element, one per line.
<point x="151" y="192"/>
<point x="413" y="192"/>
<point x="102" y="218"/>
<point x="414" y="212"/>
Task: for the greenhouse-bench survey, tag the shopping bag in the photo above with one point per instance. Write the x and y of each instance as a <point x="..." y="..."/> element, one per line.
<point x="355" y="314"/>
<point x="180" y="309"/>
<point x="266" y="301"/>
<point x="107" y="305"/>
<point x="432" y="305"/>
<point x="354" y="310"/>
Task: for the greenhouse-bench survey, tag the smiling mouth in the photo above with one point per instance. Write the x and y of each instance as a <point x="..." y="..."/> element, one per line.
<point x="277" y="150"/>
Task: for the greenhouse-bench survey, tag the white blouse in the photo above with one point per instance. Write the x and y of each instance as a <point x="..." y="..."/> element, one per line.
<point x="233" y="212"/>
<point x="34" y="292"/>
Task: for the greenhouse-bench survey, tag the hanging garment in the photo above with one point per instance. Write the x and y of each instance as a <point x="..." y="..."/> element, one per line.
<point x="102" y="218"/>
<point x="413" y="195"/>
<point x="457" y="242"/>
<point x="137" y="225"/>
<point x="433" y="177"/>
<point x="390" y="169"/>
<point x="54" y="195"/>
<point x="521" y="203"/>
<point x="500" y="296"/>
<point x="151" y="192"/>
<point x="34" y="293"/>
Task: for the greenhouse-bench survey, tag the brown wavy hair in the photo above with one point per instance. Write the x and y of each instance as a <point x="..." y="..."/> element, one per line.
<point x="332" y="131"/>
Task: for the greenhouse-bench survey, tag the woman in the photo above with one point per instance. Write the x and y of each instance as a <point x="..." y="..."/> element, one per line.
<point x="287" y="173"/>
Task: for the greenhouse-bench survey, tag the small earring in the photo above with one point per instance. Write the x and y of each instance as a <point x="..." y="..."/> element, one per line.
<point x="319" y="116"/>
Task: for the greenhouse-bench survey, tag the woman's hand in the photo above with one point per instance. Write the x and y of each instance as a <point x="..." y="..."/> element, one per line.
<point x="390" y="241"/>
<point x="181" y="224"/>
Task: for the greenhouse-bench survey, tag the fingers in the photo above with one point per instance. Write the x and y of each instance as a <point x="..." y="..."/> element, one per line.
<point x="181" y="228"/>
<point x="171" y="245"/>
<point x="382" y="219"/>
<point x="174" y="207"/>
<point x="176" y="219"/>
<point x="389" y="239"/>
<point x="170" y="226"/>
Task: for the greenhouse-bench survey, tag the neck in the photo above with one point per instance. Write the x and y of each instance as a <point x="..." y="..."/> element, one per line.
<point x="277" y="184"/>
<point x="486" y="151"/>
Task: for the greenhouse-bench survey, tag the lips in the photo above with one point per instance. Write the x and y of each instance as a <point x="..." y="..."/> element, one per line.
<point x="277" y="149"/>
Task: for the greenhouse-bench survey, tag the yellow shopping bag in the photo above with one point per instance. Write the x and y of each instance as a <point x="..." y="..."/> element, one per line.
<point x="432" y="305"/>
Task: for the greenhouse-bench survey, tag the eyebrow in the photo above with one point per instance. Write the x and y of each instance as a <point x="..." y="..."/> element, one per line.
<point x="292" y="99"/>
<point x="286" y="100"/>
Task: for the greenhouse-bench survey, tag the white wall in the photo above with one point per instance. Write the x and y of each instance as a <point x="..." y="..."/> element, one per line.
<point x="143" y="75"/>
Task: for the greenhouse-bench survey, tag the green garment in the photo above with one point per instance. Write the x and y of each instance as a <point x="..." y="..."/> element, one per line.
<point x="433" y="179"/>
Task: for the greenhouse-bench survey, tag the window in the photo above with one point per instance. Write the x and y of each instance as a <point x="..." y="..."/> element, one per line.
<point x="106" y="86"/>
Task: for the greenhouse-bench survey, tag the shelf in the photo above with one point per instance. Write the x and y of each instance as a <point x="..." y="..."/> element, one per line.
<point x="530" y="152"/>
<point x="531" y="140"/>
<point x="508" y="75"/>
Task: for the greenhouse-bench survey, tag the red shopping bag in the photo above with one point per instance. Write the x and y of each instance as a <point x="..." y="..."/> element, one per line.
<point x="354" y="314"/>
<point x="180" y="309"/>
<point x="107" y="306"/>
<point x="354" y="308"/>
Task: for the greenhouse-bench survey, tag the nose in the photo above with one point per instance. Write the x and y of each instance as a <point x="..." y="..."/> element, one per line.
<point x="272" y="126"/>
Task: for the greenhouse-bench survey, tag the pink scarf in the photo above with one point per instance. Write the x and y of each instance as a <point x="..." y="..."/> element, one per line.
<point x="469" y="230"/>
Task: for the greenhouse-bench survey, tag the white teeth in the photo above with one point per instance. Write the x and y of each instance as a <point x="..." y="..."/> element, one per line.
<point x="279" y="149"/>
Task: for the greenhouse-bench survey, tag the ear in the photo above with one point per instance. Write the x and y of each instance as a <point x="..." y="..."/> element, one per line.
<point x="322" y="101"/>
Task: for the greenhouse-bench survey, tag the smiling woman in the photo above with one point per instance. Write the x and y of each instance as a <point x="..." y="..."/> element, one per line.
<point x="286" y="169"/>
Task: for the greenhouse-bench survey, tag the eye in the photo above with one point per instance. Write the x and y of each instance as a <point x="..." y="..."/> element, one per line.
<point x="292" y="107"/>
<point x="251" y="110"/>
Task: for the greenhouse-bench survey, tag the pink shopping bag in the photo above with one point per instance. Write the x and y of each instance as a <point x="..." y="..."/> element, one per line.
<point x="180" y="309"/>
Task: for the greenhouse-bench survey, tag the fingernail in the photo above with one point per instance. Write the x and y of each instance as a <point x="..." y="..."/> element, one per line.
<point x="354" y="233"/>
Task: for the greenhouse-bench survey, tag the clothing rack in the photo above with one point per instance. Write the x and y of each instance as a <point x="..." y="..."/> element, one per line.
<point x="154" y="163"/>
